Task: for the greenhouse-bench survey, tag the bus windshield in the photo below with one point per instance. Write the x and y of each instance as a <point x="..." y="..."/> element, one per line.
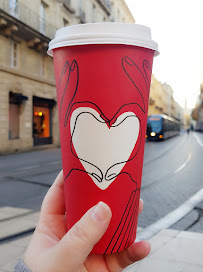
<point x="154" y="124"/>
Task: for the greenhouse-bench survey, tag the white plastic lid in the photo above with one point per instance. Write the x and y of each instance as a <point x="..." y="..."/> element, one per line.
<point x="103" y="33"/>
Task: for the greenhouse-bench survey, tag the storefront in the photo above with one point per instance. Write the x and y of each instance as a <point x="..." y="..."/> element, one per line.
<point x="42" y="120"/>
<point x="16" y="101"/>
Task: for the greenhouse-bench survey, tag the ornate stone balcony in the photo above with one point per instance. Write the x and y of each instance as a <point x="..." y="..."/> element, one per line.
<point x="106" y="5"/>
<point x="82" y="16"/>
<point x="21" y="22"/>
<point x="68" y="6"/>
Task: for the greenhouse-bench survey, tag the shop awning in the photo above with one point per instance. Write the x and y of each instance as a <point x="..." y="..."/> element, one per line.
<point x="17" y="98"/>
<point x="43" y="102"/>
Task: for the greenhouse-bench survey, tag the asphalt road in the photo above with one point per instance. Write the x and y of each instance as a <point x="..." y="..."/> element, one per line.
<point x="172" y="174"/>
<point x="26" y="177"/>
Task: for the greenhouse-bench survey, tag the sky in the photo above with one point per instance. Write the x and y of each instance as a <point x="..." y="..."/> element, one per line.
<point x="177" y="27"/>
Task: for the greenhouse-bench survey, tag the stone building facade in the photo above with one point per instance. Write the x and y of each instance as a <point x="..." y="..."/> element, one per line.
<point x="197" y="113"/>
<point x="157" y="104"/>
<point x="161" y="101"/>
<point x="28" y="112"/>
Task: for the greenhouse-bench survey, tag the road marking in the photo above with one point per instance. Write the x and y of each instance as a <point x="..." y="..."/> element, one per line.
<point x="169" y="174"/>
<point x="198" y="139"/>
<point x="38" y="165"/>
<point x="29" y="167"/>
<point x="184" y="164"/>
<point x="54" y="162"/>
<point x="182" y="142"/>
<point x="171" y="218"/>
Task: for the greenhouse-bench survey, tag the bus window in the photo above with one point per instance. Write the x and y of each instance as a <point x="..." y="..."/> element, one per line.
<point x="155" y="124"/>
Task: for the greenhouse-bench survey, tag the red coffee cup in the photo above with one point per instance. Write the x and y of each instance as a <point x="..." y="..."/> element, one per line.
<point x="103" y="74"/>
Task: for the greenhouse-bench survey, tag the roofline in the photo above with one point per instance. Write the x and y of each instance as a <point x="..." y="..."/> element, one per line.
<point x="166" y="116"/>
<point x="129" y="10"/>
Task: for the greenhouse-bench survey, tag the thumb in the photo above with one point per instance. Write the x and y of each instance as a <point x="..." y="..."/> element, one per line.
<point x="79" y="241"/>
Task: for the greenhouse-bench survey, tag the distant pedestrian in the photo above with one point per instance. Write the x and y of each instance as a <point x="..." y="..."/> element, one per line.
<point x="188" y="131"/>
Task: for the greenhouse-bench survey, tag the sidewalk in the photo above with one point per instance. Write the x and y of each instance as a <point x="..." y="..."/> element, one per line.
<point x="174" y="251"/>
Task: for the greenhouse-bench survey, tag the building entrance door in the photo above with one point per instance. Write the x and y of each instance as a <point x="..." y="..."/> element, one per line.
<point x="42" y="120"/>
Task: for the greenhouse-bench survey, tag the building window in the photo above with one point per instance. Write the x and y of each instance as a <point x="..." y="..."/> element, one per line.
<point x="42" y="120"/>
<point x="43" y="8"/>
<point x="65" y="22"/>
<point x="43" y="66"/>
<point x="93" y="13"/>
<point x="14" y="114"/>
<point x="118" y="14"/>
<point x="13" y="8"/>
<point x="14" y="54"/>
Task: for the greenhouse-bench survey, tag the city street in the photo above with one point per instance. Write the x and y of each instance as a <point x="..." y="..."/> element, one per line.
<point x="72" y="70"/>
<point x="172" y="176"/>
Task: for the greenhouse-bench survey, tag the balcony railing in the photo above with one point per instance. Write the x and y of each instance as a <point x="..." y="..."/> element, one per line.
<point x="28" y="17"/>
<point x="67" y="4"/>
<point x="82" y="16"/>
<point x="106" y="5"/>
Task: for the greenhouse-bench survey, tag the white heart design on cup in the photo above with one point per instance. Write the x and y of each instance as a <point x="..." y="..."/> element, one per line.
<point x="103" y="151"/>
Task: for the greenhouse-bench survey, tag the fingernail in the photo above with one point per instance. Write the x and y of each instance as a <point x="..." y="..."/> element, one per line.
<point x="142" y="201"/>
<point x="101" y="212"/>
